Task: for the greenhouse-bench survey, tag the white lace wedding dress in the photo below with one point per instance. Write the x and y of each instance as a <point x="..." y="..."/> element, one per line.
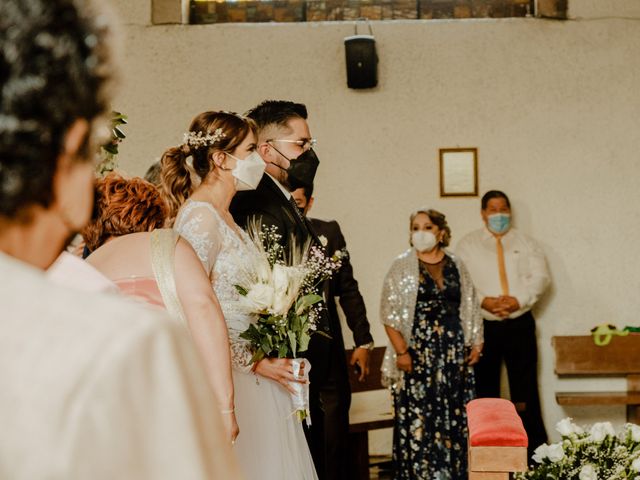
<point x="271" y="444"/>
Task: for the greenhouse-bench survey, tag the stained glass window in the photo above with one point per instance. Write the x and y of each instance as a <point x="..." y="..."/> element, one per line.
<point x="221" y="11"/>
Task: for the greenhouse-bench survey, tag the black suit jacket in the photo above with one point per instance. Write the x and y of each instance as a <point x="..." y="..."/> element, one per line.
<point x="270" y="206"/>
<point x="344" y="286"/>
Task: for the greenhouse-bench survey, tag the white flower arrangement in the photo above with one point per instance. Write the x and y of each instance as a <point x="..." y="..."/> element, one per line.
<point x="281" y="290"/>
<point x="597" y="453"/>
<point x="197" y="140"/>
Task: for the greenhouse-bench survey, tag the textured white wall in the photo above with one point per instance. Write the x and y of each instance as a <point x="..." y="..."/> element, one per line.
<point x="553" y="108"/>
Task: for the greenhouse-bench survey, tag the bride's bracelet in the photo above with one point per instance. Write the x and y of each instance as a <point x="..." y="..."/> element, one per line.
<point x="231" y="410"/>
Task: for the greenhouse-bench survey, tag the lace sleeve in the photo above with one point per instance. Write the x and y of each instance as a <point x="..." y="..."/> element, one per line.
<point x="198" y="223"/>
<point x="240" y="352"/>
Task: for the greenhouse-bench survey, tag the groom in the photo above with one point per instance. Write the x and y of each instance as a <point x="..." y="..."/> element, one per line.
<point x="286" y="145"/>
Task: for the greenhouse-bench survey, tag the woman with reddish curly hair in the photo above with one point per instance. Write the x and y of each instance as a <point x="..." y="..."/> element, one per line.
<point x="123" y="207"/>
<point x="129" y="246"/>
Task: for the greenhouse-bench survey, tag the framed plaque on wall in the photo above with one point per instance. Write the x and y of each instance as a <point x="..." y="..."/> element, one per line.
<point x="458" y="172"/>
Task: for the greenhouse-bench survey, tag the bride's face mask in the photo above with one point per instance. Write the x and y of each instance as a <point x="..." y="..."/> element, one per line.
<point x="248" y="171"/>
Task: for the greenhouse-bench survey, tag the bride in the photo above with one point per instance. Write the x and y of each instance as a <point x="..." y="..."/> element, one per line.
<point x="222" y="148"/>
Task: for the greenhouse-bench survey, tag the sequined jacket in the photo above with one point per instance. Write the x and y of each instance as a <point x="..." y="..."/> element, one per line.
<point x="398" y="305"/>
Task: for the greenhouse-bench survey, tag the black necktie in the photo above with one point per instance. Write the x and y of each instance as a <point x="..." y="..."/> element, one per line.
<point x="297" y="210"/>
<point x="304" y="221"/>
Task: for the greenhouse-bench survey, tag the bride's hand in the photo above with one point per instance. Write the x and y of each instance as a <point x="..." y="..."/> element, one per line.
<point x="280" y="370"/>
<point x="230" y="425"/>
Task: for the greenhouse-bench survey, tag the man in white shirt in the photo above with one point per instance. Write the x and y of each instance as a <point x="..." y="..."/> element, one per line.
<point x="510" y="273"/>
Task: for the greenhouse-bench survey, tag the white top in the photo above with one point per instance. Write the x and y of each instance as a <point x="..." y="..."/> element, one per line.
<point x="286" y="192"/>
<point x="96" y="386"/>
<point x="525" y="263"/>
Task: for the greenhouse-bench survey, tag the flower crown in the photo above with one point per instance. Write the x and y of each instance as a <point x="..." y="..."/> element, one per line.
<point x="197" y="140"/>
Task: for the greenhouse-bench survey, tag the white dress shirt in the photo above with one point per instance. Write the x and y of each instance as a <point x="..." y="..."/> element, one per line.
<point x="525" y="263"/>
<point x="286" y="192"/>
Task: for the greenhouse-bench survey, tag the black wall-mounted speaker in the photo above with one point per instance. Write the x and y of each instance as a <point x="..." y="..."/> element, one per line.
<point x="362" y="61"/>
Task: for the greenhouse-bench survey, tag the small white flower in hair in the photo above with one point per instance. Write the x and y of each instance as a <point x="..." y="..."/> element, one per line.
<point x="199" y="139"/>
<point x="323" y="240"/>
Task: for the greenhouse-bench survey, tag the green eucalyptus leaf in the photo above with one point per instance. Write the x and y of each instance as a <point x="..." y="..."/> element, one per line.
<point x="304" y="342"/>
<point x="111" y="148"/>
<point x="118" y="133"/>
<point x="241" y="290"/>
<point x="305" y="302"/>
<point x="259" y="355"/>
<point x="293" y="342"/>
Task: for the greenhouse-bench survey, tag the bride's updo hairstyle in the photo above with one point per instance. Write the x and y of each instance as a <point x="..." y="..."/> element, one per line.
<point x="209" y="132"/>
<point x="55" y="68"/>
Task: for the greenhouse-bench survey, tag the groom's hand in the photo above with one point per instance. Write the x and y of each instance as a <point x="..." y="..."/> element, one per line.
<point x="278" y="369"/>
<point x="360" y="356"/>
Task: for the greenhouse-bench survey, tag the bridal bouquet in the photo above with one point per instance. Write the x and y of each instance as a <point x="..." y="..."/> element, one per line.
<point x="598" y="453"/>
<point x="281" y="289"/>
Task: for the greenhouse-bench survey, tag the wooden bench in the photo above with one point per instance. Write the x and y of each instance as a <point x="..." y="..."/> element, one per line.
<point x="371" y="409"/>
<point x="578" y="356"/>
<point x="497" y="439"/>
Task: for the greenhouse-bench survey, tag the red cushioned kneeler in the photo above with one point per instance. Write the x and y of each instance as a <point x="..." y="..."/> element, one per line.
<point x="497" y="439"/>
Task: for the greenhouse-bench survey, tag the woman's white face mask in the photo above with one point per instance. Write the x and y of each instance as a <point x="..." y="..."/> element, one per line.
<point x="423" y="241"/>
<point x="248" y="172"/>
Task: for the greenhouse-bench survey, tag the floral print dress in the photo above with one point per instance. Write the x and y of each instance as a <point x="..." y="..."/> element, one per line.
<point x="430" y="435"/>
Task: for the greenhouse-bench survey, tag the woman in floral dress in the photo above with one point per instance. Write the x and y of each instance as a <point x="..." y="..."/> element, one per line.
<point x="432" y="318"/>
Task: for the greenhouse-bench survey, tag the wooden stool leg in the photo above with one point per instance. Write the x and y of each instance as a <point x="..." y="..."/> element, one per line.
<point x="633" y="414"/>
<point x="359" y="446"/>
<point x="633" y="411"/>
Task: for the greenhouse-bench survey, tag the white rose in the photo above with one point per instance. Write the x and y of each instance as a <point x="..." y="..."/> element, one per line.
<point x="259" y="298"/>
<point x="599" y="431"/>
<point x="635" y="466"/>
<point x="286" y="283"/>
<point x="588" y="473"/>
<point x="566" y="427"/>
<point x="540" y="453"/>
<point x="555" y="452"/>
<point x="635" y="432"/>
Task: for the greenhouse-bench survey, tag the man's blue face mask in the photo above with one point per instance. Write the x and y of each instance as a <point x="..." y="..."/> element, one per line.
<point x="499" y="222"/>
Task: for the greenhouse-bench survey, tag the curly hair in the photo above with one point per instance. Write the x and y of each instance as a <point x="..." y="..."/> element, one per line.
<point x="55" y="68"/>
<point x="438" y="219"/>
<point x="175" y="177"/>
<point x="123" y="206"/>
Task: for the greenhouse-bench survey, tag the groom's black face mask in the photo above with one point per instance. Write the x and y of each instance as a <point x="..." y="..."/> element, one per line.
<point x="302" y="170"/>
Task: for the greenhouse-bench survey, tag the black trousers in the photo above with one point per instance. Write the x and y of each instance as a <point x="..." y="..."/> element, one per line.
<point x="328" y="436"/>
<point x="514" y="341"/>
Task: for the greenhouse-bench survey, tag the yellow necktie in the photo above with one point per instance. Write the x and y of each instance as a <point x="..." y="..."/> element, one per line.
<point x="502" y="270"/>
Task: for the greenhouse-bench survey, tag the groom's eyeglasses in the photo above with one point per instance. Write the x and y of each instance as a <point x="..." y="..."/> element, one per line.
<point x="305" y="143"/>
